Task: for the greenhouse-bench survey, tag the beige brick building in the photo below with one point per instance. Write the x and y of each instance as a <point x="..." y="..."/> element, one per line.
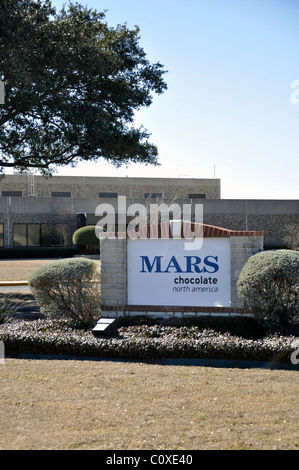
<point x="41" y="212"/>
<point x="37" y="211"/>
<point x="109" y="187"/>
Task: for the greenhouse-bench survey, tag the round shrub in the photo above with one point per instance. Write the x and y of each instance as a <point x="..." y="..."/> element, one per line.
<point x="68" y="288"/>
<point x="86" y="236"/>
<point x="269" y="286"/>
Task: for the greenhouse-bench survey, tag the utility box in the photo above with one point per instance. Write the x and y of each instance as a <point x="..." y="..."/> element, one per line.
<point x="105" y="328"/>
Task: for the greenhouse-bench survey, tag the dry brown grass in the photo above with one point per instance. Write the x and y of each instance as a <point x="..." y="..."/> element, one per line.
<point x="20" y="269"/>
<point x="50" y="404"/>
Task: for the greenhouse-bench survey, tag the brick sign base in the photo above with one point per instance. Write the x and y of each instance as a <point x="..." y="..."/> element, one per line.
<point x="243" y="244"/>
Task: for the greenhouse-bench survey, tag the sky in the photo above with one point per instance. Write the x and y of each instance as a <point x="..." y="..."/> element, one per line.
<point x="230" y="111"/>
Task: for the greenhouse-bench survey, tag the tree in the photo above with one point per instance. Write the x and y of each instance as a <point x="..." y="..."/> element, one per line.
<point x="72" y="86"/>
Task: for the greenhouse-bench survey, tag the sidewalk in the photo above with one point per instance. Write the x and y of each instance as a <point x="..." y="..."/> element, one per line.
<point x="29" y="309"/>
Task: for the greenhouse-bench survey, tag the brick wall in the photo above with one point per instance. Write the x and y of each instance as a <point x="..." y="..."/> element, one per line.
<point x="89" y="187"/>
<point x="274" y="226"/>
<point x="114" y="271"/>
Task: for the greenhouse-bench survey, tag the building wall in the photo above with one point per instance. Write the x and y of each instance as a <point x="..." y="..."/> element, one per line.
<point x="89" y="187"/>
<point x="274" y="217"/>
<point x="271" y="216"/>
<point x="275" y="226"/>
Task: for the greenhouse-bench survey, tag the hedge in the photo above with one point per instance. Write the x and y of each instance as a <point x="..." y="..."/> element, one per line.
<point x="51" y="337"/>
<point x="86" y="236"/>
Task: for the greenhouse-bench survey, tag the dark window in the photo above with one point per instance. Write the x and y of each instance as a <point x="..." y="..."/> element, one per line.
<point x="12" y="194"/>
<point x="197" y="196"/>
<point x="152" y="195"/>
<point x="20" y="235"/>
<point x="61" y="194"/>
<point x="40" y="235"/>
<point x="108" y="195"/>
<point x="33" y="235"/>
<point x="54" y="235"/>
<point x="26" y="235"/>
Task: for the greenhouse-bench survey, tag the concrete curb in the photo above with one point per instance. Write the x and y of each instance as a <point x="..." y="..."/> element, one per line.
<point x="13" y="283"/>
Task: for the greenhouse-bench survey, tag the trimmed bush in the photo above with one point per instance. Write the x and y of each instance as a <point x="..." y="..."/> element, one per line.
<point x="86" y="236"/>
<point x="244" y="327"/>
<point x="269" y="286"/>
<point x="68" y="288"/>
<point x="141" y="343"/>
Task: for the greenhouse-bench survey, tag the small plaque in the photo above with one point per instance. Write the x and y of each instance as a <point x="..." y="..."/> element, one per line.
<point x="105" y="327"/>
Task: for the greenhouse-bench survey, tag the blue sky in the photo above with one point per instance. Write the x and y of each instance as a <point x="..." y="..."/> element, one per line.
<point x="228" y="109"/>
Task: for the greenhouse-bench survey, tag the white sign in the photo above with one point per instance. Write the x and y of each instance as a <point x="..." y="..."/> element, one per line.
<point x="163" y="272"/>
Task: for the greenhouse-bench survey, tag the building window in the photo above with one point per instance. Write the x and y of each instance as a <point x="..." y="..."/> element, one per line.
<point x="108" y="195"/>
<point x="152" y="195"/>
<point x="54" y="235"/>
<point x="197" y="196"/>
<point x="20" y="235"/>
<point x="12" y="194"/>
<point x="1" y="235"/>
<point x="40" y="235"/>
<point x="33" y="235"/>
<point x="61" y="194"/>
<point x="26" y="235"/>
